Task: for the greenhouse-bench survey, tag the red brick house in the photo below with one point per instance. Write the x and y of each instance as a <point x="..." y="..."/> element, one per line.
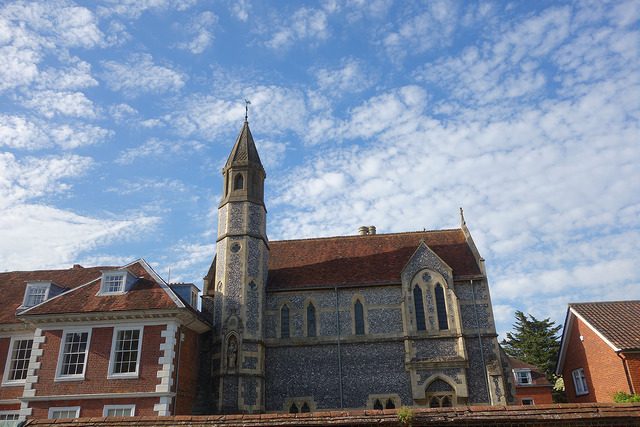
<point x="600" y="350"/>
<point x="92" y="342"/>
<point x="532" y="387"/>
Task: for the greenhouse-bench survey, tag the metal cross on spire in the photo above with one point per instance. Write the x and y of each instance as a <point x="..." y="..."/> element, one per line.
<point x="246" y="109"/>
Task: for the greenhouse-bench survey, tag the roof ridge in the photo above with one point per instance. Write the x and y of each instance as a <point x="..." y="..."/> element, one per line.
<point x="369" y="236"/>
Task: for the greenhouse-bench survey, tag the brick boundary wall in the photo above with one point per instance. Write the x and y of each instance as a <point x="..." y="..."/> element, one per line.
<point x="553" y="415"/>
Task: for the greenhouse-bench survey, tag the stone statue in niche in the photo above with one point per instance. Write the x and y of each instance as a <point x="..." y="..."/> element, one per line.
<point x="232" y="353"/>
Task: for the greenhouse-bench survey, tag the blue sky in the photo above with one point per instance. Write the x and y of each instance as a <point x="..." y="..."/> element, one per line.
<point x="116" y="117"/>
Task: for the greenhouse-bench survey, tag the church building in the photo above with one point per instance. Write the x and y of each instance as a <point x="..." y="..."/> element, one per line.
<point x="367" y="321"/>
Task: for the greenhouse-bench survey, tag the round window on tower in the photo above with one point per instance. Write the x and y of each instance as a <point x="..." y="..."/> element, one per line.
<point x="235" y="247"/>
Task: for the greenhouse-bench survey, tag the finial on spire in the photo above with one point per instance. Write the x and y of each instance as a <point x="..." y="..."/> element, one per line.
<point x="246" y="109"/>
<point x="462" y="221"/>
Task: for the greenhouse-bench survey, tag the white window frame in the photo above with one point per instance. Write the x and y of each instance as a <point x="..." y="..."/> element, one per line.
<point x="5" y="413"/>
<point x="127" y="280"/>
<point x="64" y="408"/>
<point x="580" y="382"/>
<point x="527" y="401"/>
<point x="107" y="408"/>
<point x="5" y="378"/>
<point x="527" y="372"/>
<point x="112" y="358"/>
<point x="72" y="377"/>
<point x="40" y="285"/>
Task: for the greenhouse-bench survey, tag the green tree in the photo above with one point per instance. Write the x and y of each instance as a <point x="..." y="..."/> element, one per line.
<point x="534" y="341"/>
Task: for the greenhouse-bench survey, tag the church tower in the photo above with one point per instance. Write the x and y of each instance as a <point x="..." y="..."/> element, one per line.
<point x="239" y="285"/>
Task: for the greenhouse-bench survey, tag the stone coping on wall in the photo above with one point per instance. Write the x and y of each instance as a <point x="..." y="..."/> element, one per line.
<point x="568" y="414"/>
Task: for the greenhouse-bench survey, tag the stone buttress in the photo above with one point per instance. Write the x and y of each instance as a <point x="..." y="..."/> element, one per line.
<point x="240" y="280"/>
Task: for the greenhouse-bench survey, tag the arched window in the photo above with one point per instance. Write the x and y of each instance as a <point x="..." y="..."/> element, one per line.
<point x="378" y="405"/>
<point x="419" y="304"/>
<point x="390" y="404"/>
<point x="293" y="409"/>
<point x="305" y="407"/>
<point x="284" y="322"/>
<point x="359" y="317"/>
<point x="441" y="307"/>
<point x="311" y="320"/>
<point x="239" y="182"/>
<point x="439" y="394"/>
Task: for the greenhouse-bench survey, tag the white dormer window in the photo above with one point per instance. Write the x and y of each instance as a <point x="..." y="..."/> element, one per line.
<point x="116" y="281"/>
<point x="523" y="376"/>
<point x="39" y="291"/>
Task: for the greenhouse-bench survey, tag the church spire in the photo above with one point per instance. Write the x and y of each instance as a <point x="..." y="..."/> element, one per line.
<point x="243" y="173"/>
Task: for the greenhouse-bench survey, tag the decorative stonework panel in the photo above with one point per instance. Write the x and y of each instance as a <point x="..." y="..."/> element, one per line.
<point x="469" y="316"/>
<point x="270" y="326"/>
<point x="385" y="320"/>
<point x="452" y="373"/>
<point x="476" y="374"/>
<point x="464" y="292"/>
<point x="253" y="262"/>
<point x="236" y="218"/>
<point x="438" y="385"/>
<point x="250" y="391"/>
<point x="249" y="346"/>
<point x="230" y="392"/>
<point x="253" y="313"/>
<point x="250" y="363"/>
<point x="255" y="219"/>
<point x="435" y="347"/>
<point x="222" y="220"/>
<point x="423" y="258"/>
<point x="297" y="324"/>
<point x="366" y="368"/>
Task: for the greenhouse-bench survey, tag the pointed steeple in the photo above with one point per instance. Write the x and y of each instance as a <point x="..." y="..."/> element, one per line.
<point x="243" y="173"/>
<point x="244" y="152"/>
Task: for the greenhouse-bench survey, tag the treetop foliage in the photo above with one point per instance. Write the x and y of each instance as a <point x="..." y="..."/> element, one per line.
<point x="535" y="342"/>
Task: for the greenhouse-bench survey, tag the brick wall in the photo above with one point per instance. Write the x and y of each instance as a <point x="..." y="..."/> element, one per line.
<point x="603" y="369"/>
<point x="566" y="415"/>
<point x="189" y="366"/>
<point x="633" y="366"/>
<point x="98" y="365"/>
<point x="540" y="395"/>
<point x="7" y="392"/>
<point x="94" y="407"/>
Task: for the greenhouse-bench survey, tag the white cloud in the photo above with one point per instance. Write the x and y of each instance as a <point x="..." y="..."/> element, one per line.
<point x="158" y="148"/>
<point x="148" y="185"/>
<point x="134" y="8"/>
<point x="200" y="28"/>
<point x="21" y="133"/>
<point x="352" y="76"/>
<point x="272" y="154"/>
<point x="304" y="23"/>
<point x="51" y="103"/>
<point x="435" y="27"/>
<point x="240" y="9"/>
<point x="70" y="78"/>
<point x="42" y="237"/>
<point x="141" y="75"/>
<point x="33" y="177"/>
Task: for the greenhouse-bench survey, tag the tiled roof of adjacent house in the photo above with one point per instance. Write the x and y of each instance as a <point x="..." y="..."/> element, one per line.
<point x="80" y="295"/>
<point x="13" y="285"/>
<point x="617" y="321"/>
<point x="362" y="260"/>
<point x="537" y="377"/>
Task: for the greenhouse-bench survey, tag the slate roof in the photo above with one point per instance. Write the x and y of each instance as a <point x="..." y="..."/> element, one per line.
<point x="14" y="283"/>
<point x="362" y="260"/>
<point x="537" y="377"/>
<point x="617" y="321"/>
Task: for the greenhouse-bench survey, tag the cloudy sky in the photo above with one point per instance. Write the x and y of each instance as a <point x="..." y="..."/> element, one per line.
<point x="116" y="117"/>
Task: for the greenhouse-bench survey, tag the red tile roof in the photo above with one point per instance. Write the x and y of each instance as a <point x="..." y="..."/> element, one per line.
<point x="362" y="260"/>
<point x="13" y="285"/>
<point x="146" y="294"/>
<point x="537" y="377"/>
<point x="617" y="321"/>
